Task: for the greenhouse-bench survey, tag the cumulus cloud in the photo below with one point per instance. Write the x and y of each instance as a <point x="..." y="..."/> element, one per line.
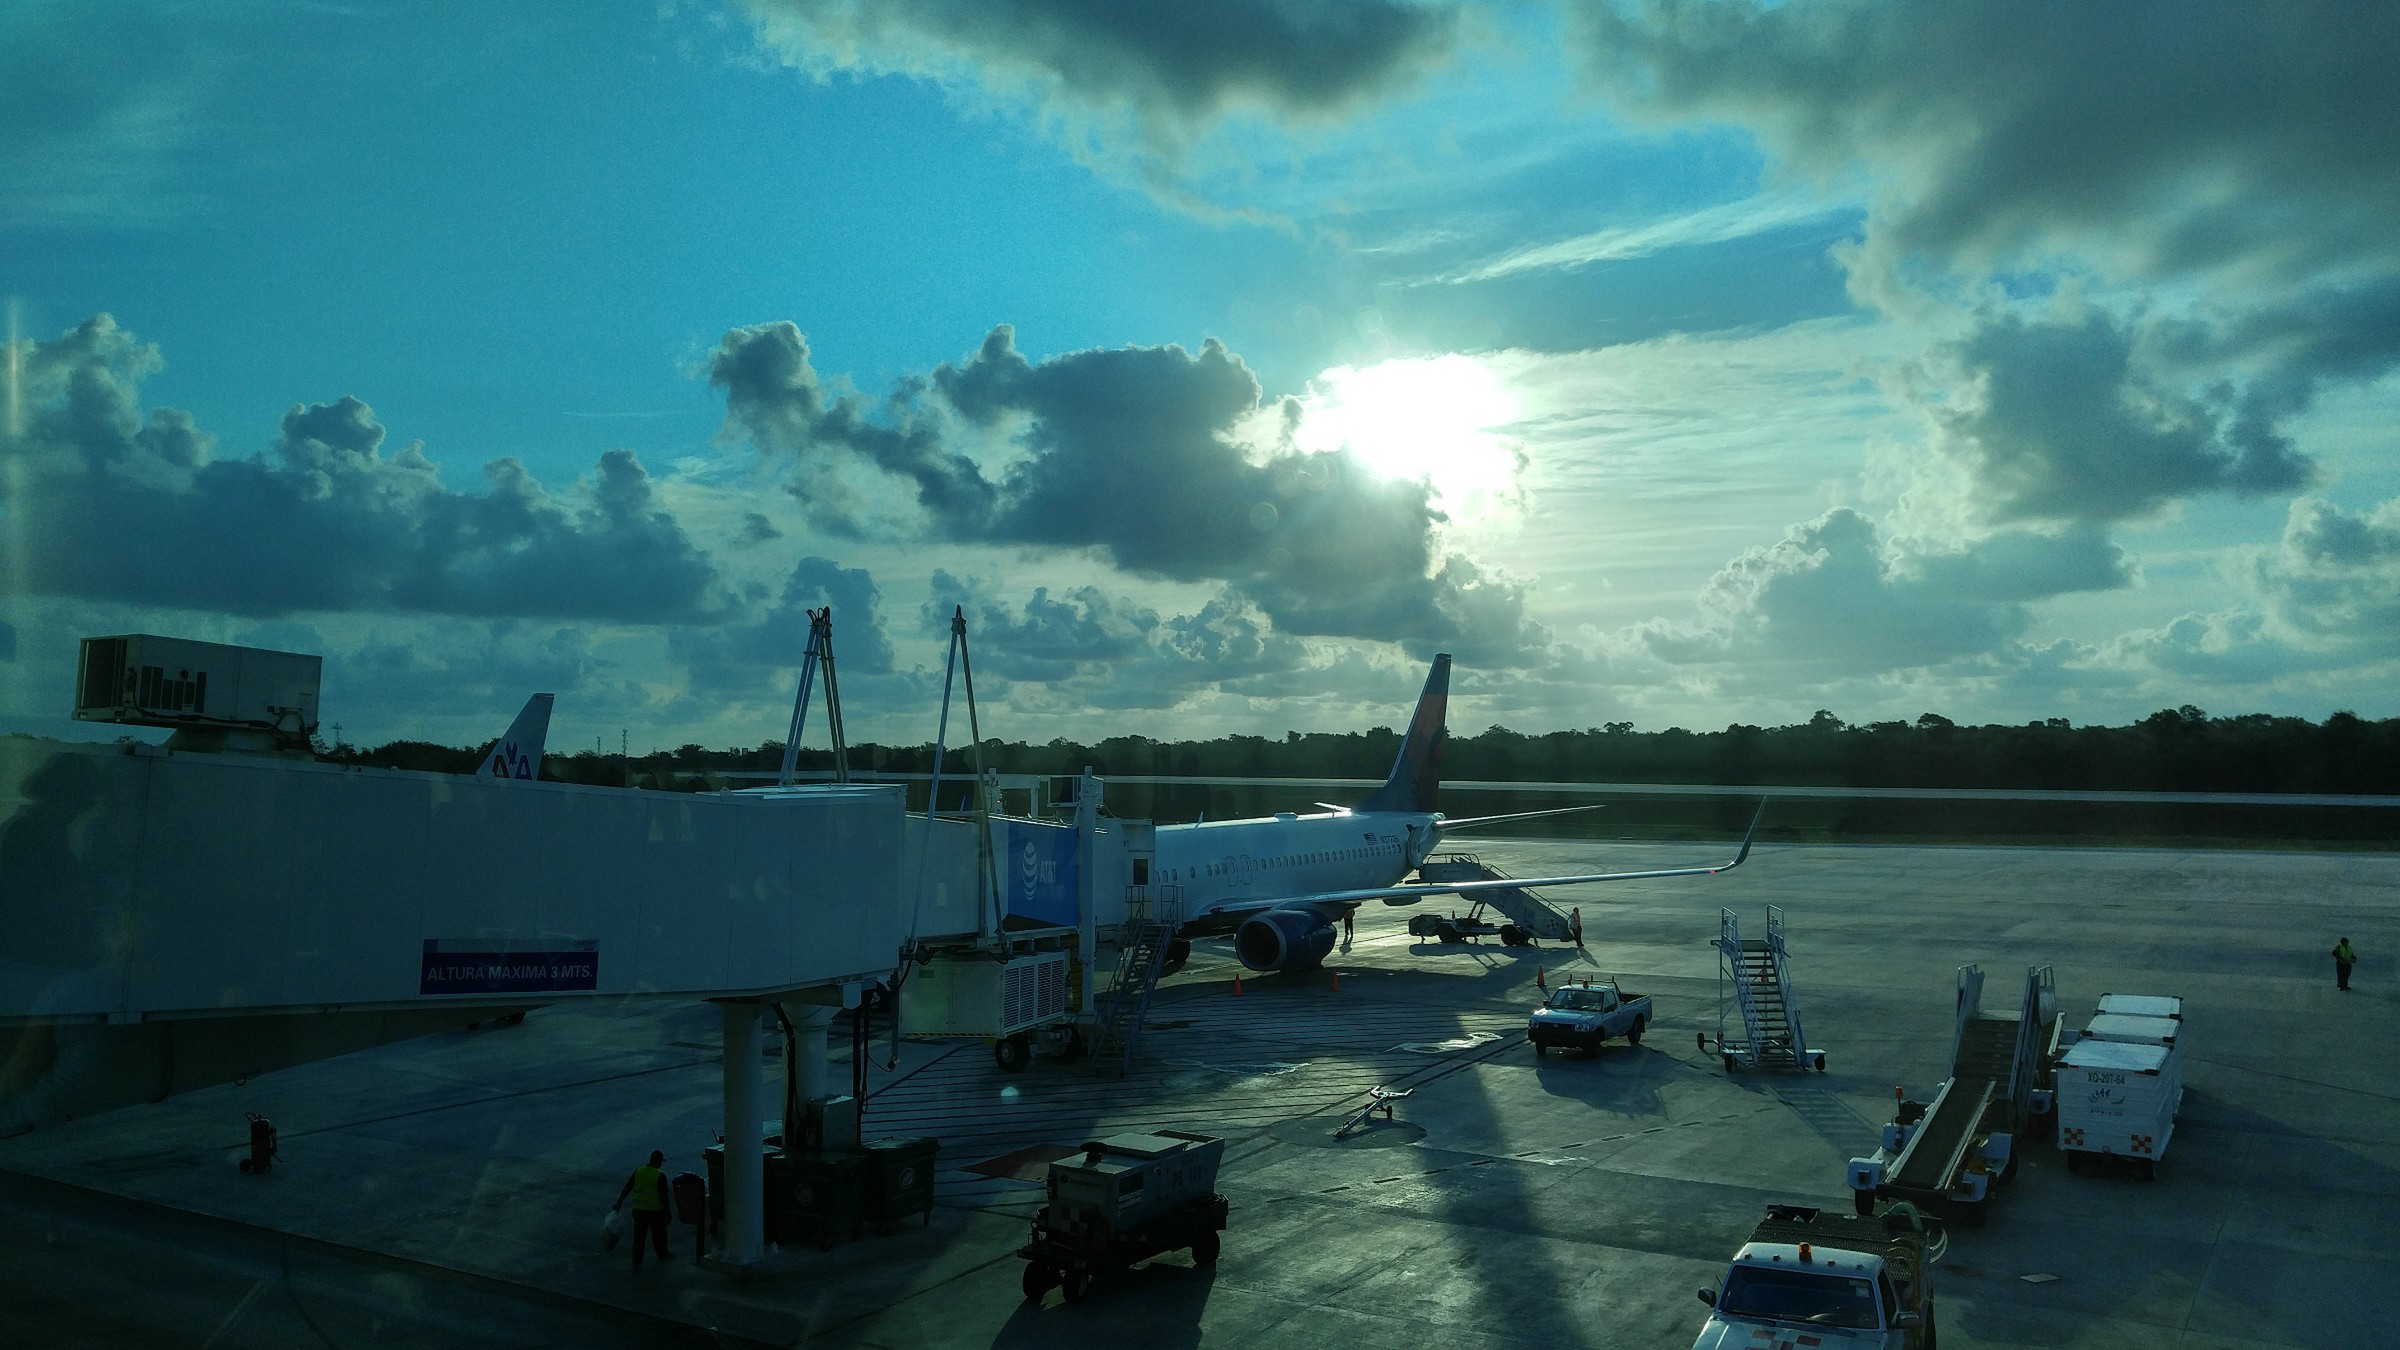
<point x="1137" y="452"/>
<point x="2212" y="148"/>
<point x="118" y="506"/>
<point x="2335" y="578"/>
<point x="750" y="658"/>
<point x="2158" y="138"/>
<point x="2055" y="419"/>
<point x="1103" y="650"/>
<point x="1833" y="598"/>
<point x="774" y="396"/>
<point x="1145" y="456"/>
<point x="1162" y="73"/>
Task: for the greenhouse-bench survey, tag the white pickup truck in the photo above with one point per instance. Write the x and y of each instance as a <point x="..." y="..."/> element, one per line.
<point x="1808" y="1277"/>
<point x="1584" y="1015"/>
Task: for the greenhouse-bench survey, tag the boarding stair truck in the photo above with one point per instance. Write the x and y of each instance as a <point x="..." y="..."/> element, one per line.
<point x="1946" y="1157"/>
<point x="1530" y="917"/>
<point x="1754" y="977"/>
<point x="2121" y="1083"/>
<point x="1808" y="1277"/>
<point x="1125" y="1199"/>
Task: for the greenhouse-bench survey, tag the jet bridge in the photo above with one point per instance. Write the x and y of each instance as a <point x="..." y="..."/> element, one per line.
<point x="177" y="919"/>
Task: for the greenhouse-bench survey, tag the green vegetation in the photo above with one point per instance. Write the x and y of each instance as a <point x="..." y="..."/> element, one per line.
<point x="2173" y="750"/>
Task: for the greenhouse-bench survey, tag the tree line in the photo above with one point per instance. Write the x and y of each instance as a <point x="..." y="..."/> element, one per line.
<point x="2173" y="750"/>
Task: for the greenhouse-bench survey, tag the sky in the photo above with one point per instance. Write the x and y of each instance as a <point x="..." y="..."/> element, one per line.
<point x="1675" y="362"/>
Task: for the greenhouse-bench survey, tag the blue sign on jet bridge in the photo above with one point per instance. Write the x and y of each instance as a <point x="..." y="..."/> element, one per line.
<point x="1037" y="869"/>
<point x="504" y="966"/>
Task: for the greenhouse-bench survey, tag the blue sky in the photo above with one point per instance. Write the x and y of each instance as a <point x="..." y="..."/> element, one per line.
<point x="1680" y="363"/>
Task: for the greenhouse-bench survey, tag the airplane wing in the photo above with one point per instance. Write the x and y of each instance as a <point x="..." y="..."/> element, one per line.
<point x="1402" y="894"/>
<point x="1453" y="826"/>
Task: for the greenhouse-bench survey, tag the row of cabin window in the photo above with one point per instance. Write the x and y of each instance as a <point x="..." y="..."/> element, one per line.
<point x="1220" y="869"/>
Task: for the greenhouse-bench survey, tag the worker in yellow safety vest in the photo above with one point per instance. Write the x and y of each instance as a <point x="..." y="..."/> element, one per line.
<point x="648" y="1187"/>
<point x="2343" y="959"/>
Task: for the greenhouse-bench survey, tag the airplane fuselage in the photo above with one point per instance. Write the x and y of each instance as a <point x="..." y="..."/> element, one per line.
<point x="1229" y="868"/>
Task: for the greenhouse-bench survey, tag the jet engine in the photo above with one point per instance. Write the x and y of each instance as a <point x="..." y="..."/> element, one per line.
<point x="1283" y="939"/>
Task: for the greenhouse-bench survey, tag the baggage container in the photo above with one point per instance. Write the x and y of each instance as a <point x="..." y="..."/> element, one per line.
<point x="2119" y="1099"/>
<point x="2133" y="1030"/>
<point x="814" y="1197"/>
<point x="2142" y="1005"/>
<point x="898" y="1180"/>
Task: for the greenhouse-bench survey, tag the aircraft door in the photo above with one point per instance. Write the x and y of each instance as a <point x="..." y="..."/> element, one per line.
<point x="1242" y="869"/>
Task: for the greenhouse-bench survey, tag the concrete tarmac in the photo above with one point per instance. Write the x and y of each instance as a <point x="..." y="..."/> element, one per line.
<point x="448" y="1190"/>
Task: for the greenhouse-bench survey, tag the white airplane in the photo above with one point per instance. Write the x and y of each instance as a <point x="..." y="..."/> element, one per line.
<point x="518" y="752"/>
<point x="1281" y="884"/>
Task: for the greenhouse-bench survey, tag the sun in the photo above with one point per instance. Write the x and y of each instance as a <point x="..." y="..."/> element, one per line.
<point x="1434" y="418"/>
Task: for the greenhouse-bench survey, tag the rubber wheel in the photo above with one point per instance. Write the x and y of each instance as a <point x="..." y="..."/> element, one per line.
<point x="1863" y="1202"/>
<point x="1204" y="1250"/>
<point x="1633" y="1034"/>
<point x="1075" y="1284"/>
<point x="2149" y="1169"/>
<point x="1178" y="952"/>
<point x="1539" y="1051"/>
<point x="246" y="1167"/>
<point x="1932" y="1333"/>
<point x="515" y="1019"/>
<point x="1038" y="1280"/>
<point x="1729" y="1064"/>
<point x="1012" y="1053"/>
<point x="1820" y="1064"/>
<point x="1074" y="1049"/>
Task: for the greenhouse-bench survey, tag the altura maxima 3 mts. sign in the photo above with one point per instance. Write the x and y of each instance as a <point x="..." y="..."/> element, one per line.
<point x="497" y="966"/>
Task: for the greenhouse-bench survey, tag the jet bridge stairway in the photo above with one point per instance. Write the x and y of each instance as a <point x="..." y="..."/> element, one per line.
<point x="1759" y="976"/>
<point x="1524" y="908"/>
<point x="1141" y="961"/>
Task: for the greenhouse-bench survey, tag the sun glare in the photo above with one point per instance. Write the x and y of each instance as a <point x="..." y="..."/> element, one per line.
<point x="1434" y="418"/>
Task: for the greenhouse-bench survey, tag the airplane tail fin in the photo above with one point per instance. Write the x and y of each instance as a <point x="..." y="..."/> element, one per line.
<point x="518" y="752"/>
<point x="1417" y="775"/>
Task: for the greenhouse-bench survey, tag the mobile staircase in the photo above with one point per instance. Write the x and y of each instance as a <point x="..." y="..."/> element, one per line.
<point x="1528" y="911"/>
<point x="1152" y="916"/>
<point x="1758" y="975"/>
<point x="1947" y="1156"/>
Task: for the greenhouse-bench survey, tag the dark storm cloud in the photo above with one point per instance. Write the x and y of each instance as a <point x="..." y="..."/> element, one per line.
<point x="1168" y="67"/>
<point x="775" y="397"/>
<point x="1133" y="452"/>
<point x="2165" y="136"/>
<point x="2059" y="420"/>
<point x="752" y="657"/>
<point x="116" y="506"/>
<point x="1831" y="598"/>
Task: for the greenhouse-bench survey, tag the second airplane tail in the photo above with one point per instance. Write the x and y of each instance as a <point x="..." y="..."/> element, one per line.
<point x="518" y="752"/>
<point x="1417" y="774"/>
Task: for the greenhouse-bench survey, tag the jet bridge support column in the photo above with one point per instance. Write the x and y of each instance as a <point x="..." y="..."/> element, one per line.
<point x="809" y="1053"/>
<point x="745" y="1239"/>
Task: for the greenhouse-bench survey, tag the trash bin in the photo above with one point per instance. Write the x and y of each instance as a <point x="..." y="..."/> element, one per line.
<point x="815" y="1197"/>
<point x="899" y="1180"/>
<point x="714" y="1156"/>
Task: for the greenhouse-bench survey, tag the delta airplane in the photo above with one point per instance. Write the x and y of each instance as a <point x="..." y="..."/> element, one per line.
<point x="1281" y="884"/>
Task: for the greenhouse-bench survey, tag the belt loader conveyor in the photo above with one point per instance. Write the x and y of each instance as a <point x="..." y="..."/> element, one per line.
<point x="1946" y="1157"/>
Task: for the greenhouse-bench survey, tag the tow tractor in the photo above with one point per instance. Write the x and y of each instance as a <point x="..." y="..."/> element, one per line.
<point x="1946" y="1157"/>
<point x="1450" y="928"/>
<point x="1124" y="1199"/>
<point x="1810" y="1278"/>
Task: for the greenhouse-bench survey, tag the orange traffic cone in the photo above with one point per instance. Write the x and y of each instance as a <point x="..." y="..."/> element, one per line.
<point x="1337" y="981"/>
<point x="1237" y="984"/>
<point x="1540" y="980"/>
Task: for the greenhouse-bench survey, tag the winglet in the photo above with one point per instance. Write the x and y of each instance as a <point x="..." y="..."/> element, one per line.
<point x="1738" y="858"/>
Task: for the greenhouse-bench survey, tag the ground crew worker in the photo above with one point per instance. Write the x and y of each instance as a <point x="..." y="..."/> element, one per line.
<point x="1575" y="924"/>
<point x="648" y="1187"/>
<point x="1349" y="917"/>
<point x="2343" y="959"/>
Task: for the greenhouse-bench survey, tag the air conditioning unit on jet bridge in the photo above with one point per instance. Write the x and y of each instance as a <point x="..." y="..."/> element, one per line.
<point x="973" y="995"/>
<point x="144" y="680"/>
